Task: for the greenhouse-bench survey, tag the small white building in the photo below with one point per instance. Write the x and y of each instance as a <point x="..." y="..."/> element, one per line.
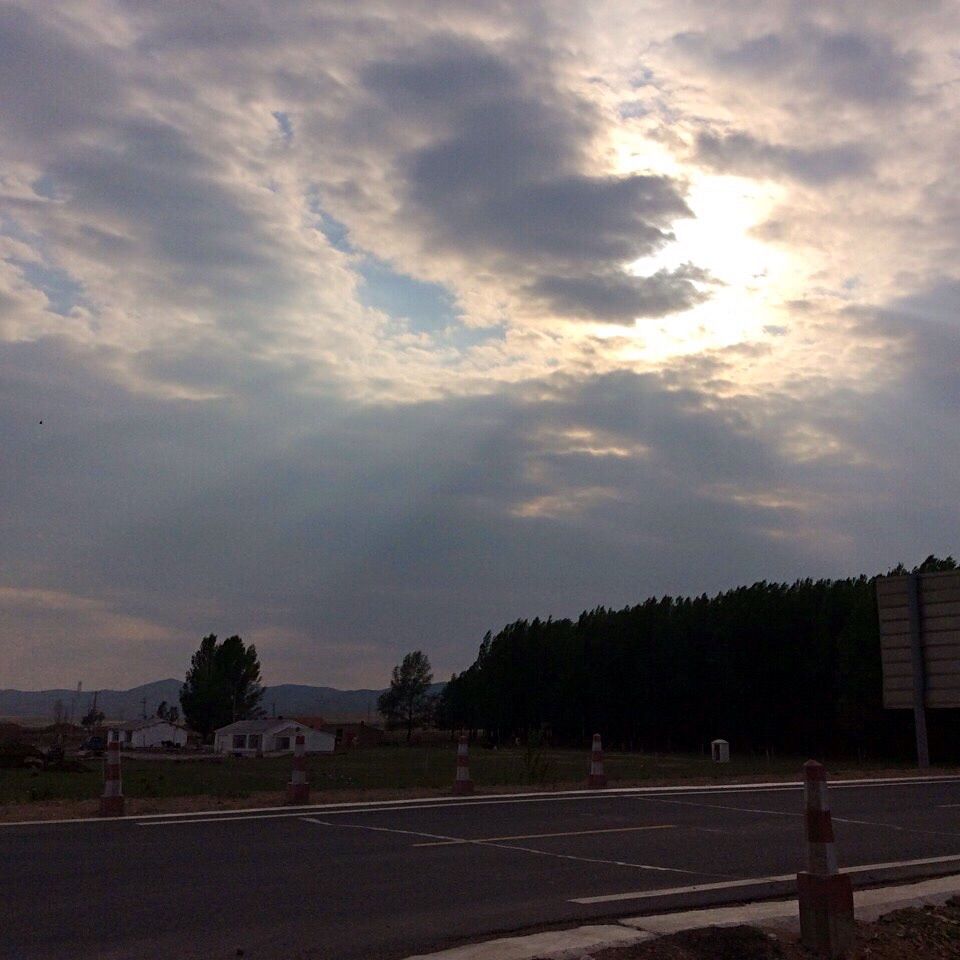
<point x="270" y="735"/>
<point x="720" y="751"/>
<point x="152" y="732"/>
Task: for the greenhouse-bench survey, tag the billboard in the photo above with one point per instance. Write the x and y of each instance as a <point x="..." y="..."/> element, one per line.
<point x="920" y="639"/>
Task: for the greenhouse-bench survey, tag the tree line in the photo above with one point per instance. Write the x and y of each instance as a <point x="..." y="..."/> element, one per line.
<point x="773" y="667"/>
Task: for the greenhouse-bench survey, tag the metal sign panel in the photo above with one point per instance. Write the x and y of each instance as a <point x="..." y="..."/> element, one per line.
<point x="920" y="639"/>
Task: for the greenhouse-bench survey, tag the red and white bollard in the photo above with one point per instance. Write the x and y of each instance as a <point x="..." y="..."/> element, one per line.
<point x="298" y="790"/>
<point x="462" y="783"/>
<point x="596" y="778"/>
<point x="826" y="895"/>
<point x="111" y="803"/>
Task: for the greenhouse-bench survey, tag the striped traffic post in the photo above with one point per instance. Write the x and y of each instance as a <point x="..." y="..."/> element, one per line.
<point x="298" y="790"/>
<point x="596" y="777"/>
<point x="826" y="895"/>
<point x="111" y="803"/>
<point x="462" y="783"/>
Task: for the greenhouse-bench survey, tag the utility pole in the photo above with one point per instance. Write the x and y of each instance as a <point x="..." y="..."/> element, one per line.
<point x="143" y="708"/>
<point x="76" y="700"/>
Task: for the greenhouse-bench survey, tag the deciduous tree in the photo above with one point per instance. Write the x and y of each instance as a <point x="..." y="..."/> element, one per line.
<point x="408" y="702"/>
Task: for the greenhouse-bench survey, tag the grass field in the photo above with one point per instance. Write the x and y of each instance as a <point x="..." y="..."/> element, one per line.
<point x="398" y="768"/>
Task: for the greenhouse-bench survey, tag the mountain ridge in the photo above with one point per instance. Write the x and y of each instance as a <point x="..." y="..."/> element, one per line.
<point x="283" y="699"/>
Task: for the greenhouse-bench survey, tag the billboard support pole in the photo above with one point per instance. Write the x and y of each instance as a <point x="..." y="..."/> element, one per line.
<point x="919" y="672"/>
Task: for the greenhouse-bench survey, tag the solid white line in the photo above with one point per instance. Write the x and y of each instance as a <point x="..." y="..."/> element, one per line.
<point x="43" y="823"/>
<point x="542" y="836"/>
<point x="334" y="811"/>
<point x="416" y="803"/>
<point x="181" y="823"/>
<point x="698" y="888"/>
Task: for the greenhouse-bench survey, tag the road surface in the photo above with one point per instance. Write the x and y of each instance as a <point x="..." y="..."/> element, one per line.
<point x="383" y="881"/>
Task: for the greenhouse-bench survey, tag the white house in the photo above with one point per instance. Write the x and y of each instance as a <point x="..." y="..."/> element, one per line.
<point x="152" y="732"/>
<point x="270" y="735"/>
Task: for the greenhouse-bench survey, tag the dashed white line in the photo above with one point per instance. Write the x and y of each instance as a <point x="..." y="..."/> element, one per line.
<point x="542" y="836"/>
<point x="510" y="846"/>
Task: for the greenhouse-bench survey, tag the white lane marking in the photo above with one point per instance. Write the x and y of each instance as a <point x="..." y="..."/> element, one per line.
<point x="510" y="846"/>
<point x="698" y="888"/>
<point x="789" y="813"/>
<point x="43" y="823"/>
<point x="183" y="823"/>
<point x="541" y="836"/>
<point x="362" y="806"/>
<point x="626" y="793"/>
<point x="367" y="826"/>
<point x="718" y="806"/>
<point x="336" y="811"/>
<point x="331" y="812"/>
<point x="695" y="888"/>
<point x="892" y="826"/>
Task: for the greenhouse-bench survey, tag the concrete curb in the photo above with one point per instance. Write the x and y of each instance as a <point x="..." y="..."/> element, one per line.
<point x="778" y="914"/>
<point x="557" y="944"/>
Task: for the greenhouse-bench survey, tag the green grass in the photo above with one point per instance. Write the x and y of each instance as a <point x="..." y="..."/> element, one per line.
<point x="393" y="768"/>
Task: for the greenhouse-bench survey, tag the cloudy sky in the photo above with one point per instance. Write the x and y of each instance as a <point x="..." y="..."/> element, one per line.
<point x="356" y="327"/>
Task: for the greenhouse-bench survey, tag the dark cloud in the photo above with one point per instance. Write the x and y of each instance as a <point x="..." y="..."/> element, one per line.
<point x="620" y="298"/>
<point x="47" y="82"/>
<point x="849" y="65"/>
<point x="743" y="154"/>
<point x="456" y="74"/>
<point x="502" y="179"/>
<point x="923" y="330"/>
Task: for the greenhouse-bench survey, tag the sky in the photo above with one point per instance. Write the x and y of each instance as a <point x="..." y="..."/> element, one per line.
<point x="361" y="327"/>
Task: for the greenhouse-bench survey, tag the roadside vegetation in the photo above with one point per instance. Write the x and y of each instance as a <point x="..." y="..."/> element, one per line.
<point x="392" y="769"/>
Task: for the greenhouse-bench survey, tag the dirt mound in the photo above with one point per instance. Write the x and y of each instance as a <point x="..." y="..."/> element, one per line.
<point x="917" y="933"/>
<point x="718" y="943"/>
<point x="929" y="933"/>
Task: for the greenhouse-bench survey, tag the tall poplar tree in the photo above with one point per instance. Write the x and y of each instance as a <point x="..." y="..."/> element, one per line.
<point x="222" y="685"/>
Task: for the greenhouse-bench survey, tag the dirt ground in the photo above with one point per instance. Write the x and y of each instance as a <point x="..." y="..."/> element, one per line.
<point x="917" y="933"/>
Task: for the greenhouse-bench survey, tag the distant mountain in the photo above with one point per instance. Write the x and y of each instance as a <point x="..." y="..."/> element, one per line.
<point x="285" y="699"/>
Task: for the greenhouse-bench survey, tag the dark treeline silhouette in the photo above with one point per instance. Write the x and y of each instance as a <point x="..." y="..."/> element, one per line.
<point x="787" y="668"/>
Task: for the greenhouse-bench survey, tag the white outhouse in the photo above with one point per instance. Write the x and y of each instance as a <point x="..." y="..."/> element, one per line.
<point x="720" y="751"/>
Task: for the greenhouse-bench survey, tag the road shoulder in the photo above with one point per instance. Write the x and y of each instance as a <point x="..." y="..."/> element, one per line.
<point x="777" y="916"/>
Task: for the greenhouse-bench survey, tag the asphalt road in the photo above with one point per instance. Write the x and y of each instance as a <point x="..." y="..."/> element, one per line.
<point x="384" y="881"/>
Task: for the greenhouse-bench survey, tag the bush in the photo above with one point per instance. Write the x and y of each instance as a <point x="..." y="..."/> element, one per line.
<point x="16" y="754"/>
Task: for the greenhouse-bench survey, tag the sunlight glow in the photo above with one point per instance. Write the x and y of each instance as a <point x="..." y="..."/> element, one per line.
<point x="751" y="277"/>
